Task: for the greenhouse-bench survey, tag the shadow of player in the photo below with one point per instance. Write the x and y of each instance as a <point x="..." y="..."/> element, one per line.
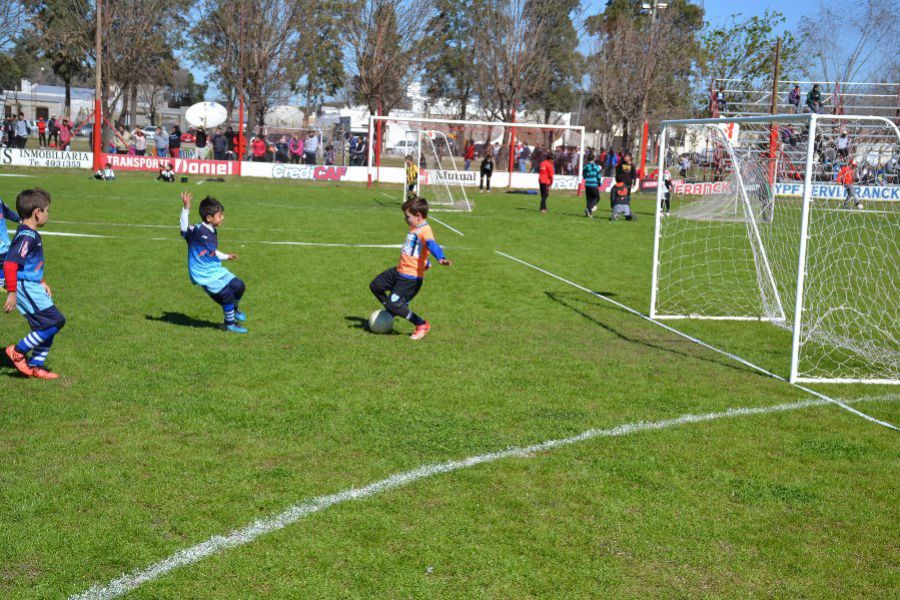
<point x="183" y="320"/>
<point x="361" y="323"/>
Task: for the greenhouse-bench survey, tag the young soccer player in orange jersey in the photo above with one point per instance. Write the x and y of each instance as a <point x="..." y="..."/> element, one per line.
<point x="396" y="287"/>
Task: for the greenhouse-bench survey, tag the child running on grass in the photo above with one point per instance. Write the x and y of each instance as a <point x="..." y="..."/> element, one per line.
<point x="205" y="261"/>
<point x="23" y="270"/>
<point x="396" y="287"/>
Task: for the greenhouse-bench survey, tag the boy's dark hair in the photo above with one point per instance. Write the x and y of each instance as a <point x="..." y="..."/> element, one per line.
<point x="31" y="200"/>
<point x="209" y="206"/>
<point x="408" y="157"/>
<point x="417" y="206"/>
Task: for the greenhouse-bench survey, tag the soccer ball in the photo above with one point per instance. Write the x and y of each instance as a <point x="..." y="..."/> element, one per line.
<point x="381" y="321"/>
<point x="859" y="205"/>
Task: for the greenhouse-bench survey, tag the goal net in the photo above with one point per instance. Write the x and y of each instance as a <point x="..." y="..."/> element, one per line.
<point x="437" y="179"/>
<point x="793" y="220"/>
<point x="451" y="152"/>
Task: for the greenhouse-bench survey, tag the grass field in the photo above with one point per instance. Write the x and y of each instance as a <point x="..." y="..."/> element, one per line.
<point x="164" y="431"/>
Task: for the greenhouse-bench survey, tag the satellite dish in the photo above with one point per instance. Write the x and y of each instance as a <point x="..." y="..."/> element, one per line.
<point x="206" y="114"/>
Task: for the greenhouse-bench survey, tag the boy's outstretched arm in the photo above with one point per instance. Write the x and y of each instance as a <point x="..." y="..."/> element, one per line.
<point x="185" y="219"/>
<point x="438" y="252"/>
<point x="8" y="212"/>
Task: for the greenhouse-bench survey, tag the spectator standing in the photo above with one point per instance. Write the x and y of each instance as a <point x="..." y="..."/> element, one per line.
<point x="814" y="99"/>
<point x="611" y="163"/>
<point x="721" y="104"/>
<point x="219" y="145"/>
<point x="232" y="142"/>
<point x="281" y="150"/>
<point x="310" y="148"/>
<point x="140" y="142"/>
<point x="794" y="98"/>
<point x="469" y="153"/>
<point x="21" y="132"/>
<point x="42" y="132"/>
<point x="591" y="174"/>
<point x="329" y="155"/>
<point x="65" y="135"/>
<point x="258" y="146"/>
<point x="486" y="171"/>
<point x="175" y="142"/>
<point x="53" y="131"/>
<point x="526" y="154"/>
<point x="161" y="142"/>
<point x="122" y="140"/>
<point x="200" y="140"/>
<point x="843" y="146"/>
<point x="295" y="147"/>
<point x="545" y="179"/>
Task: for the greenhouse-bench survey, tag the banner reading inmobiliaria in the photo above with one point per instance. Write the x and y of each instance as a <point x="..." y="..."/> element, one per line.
<point x="181" y="166"/>
<point x="39" y="157"/>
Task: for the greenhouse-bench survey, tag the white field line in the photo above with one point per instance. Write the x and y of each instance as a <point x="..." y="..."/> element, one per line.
<point x="14" y="175"/>
<point x="450" y="227"/>
<point x="270" y="243"/>
<point x="156" y="226"/>
<point x="431" y="217"/>
<point x="238" y="537"/>
<point x="699" y="341"/>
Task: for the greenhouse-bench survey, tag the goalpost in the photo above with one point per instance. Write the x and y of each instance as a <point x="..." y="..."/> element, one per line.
<point x="762" y="226"/>
<point x="450" y="152"/>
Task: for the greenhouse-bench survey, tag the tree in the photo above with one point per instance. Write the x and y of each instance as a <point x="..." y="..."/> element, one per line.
<point x="507" y="41"/>
<point x="450" y="74"/>
<point x="851" y="44"/>
<point x="744" y="49"/>
<point x="643" y="63"/>
<point x="384" y="40"/>
<point x="12" y="12"/>
<point x="563" y="62"/>
<point x="62" y="35"/>
<point x="184" y="91"/>
<point x="319" y="56"/>
<point x="251" y="45"/>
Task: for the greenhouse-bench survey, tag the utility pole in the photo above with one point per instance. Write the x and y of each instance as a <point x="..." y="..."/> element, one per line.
<point x="653" y="7"/>
<point x="98" y="105"/>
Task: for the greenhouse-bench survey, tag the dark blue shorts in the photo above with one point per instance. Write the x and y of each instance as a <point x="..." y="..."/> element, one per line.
<point x="45" y="319"/>
<point x="230" y="294"/>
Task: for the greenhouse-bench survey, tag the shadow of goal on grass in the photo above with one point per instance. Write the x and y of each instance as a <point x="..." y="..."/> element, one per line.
<point x="558" y="298"/>
<point x="183" y="320"/>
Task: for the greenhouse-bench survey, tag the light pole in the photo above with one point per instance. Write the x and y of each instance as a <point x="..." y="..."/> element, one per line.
<point x="652" y="8"/>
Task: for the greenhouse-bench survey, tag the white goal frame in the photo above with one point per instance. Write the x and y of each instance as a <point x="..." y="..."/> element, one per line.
<point x="811" y="120"/>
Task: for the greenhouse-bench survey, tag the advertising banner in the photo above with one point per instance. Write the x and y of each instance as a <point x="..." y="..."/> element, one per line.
<point x="181" y="166"/>
<point x="39" y="157"/>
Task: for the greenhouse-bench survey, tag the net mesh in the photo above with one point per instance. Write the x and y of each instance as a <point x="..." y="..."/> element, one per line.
<point x="440" y="181"/>
<point x="729" y="244"/>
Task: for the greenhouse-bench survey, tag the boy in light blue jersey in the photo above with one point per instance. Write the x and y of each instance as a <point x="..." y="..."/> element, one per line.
<point x="205" y="261"/>
<point x="5" y="213"/>
<point x="27" y="292"/>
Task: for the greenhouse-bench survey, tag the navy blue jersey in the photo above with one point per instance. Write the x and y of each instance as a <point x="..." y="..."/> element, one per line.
<point x="204" y="265"/>
<point x="27" y="250"/>
<point x="5" y="213"/>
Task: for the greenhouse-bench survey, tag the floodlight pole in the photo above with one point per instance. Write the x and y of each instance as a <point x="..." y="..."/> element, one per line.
<point x="98" y="105"/>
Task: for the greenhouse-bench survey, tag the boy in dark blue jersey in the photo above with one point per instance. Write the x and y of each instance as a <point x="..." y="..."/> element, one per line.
<point x="205" y="261"/>
<point x="5" y="213"/>
<point x="23" y="271"/>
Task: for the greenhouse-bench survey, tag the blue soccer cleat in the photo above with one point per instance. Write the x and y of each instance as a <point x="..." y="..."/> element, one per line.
<point x="235" y="328"/>
<point x="240" y="316"/>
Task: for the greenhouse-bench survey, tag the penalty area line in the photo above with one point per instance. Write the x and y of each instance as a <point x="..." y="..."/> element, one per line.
<point x="679" y="333"/>
<point x="431" y="218"/>
<point x="239" y="537"/>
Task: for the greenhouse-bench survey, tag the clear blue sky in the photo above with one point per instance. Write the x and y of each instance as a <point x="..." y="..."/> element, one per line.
<point x="718" y="11"/>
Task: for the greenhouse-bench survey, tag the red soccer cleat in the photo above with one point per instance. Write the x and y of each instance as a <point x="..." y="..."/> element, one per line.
<point x="420" y="332"/>
<point x="42" y="373"/>
<point x="18" y="360"/>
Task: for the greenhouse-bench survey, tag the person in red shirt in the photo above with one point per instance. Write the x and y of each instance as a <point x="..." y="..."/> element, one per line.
<point x="469" y="153"/>
<point x="42" y="132"/>
<point x="258" y="145"/>
<point x="845" y="178"/>
<point x="545" y="179"/>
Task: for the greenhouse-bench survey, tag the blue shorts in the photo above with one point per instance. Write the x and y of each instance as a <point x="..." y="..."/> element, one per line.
<point x="230" y="294"/>
<point x="36" y="305"/>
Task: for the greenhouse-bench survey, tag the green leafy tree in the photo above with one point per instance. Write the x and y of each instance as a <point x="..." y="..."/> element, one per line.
<point x="450" y="73"/>
<point x="319" y="56"/>
<point x="744" y="48"/>
<point x="560" y="53"/>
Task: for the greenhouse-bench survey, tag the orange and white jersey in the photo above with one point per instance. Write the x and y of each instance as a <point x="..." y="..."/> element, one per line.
<point x="414" y="255"/>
